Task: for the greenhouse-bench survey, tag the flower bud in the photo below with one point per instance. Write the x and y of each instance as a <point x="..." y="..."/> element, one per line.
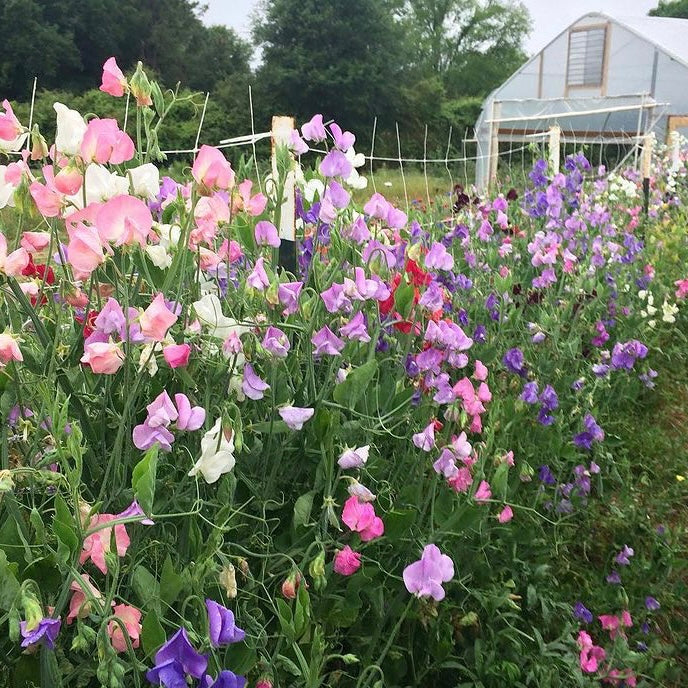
<point x="33" y="612"/>
<point x="39" y="146"/>
<point x="264" y="682"/>
<point x="141" y="87"/>
<point x="291" y="585"/>
<point x="317" y="571"/>
<point x="228" y="580"/>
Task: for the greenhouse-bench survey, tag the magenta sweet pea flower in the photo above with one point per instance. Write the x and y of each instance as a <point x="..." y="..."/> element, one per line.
<point x="361" y="518"/>
<point x="483" y="493"/>
<point x="266" y="234"/>
<point x="252" y="385"/>
<point x="326" y="342"/>
<point x="295" y="417"/>
<point x="222" y="627"/>
<point x="346" y="561"/>
<point x="424" y="577"/>
<point x="276" y="342"/>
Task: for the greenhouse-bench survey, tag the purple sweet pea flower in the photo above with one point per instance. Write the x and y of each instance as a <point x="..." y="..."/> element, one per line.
<point x="425" y="439"/>
<point x="581" y="612"/>
<point x="437" y="258"/>
<point x="225" y="679"/>
<point x="45" y="633"/>
<point x="335" y="299"/>
<point x="342" y="139"/>
<point x="549" y="398"/>
<point x="546" y="475"/>
<point x="624" y="355"/>
<point x="266" y="234"/>
<point x="258" y="278"/>
<point x="592" y="433"/>
<point x="176" y="660"/>
<point x="614" y="578"/>
<point x="276" y="342"/>
<point x="288" y="294"/>
<point x="651" y="604"/>
<point x="336" y="164"/>
<point x="337" y="195"/>
<point x="433" y="297"/>
<point x="424" y="577"/>
<point x="356" y="329"/>
<point x="326" y="342"/>
<point x="161" y="411"/>
<point x="252" y="385"/>
<point x="144" y="437"/>
<point x="514" y="361"/>
<point x="530" y="393"/>
<point x="222" y="628"/>
<point x="314" y="130"/>
<point x="295" y="416"/>
<point x="623" y="557"/>
<point x="134" y="509"/>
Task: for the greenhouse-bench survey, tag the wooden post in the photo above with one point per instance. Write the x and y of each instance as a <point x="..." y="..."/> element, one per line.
<point x="494" y="141"/>
<point x="646" y="169"/>
<point x="554" y="148"/>
<point x="281" y="130"/>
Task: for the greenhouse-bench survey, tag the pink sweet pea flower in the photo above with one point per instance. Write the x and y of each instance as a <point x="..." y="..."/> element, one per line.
<point x="124" y="220"/>
<point x="190" y="418"/>
<point x="98" y="543"/>
<point x="682" y="290"/>
<point x="266" y="234"/>
<point x="177" y="355"/>
<point x="157" y="319"/>
<point x="10" y="127"/>
<point x="48" y="200"/>
<point x="480" y="371"/>
<point x="610" y="623"/>
<point x="79" y="607"/>
<point x="105" y="142"/>
<point x="483" y="493"/>
<point x="12" y="264"/>
<point x="253" y="205"/>
<point x="590" y="655"/>
<point x="424" y="577"/>
<point x="113" y="82"/>
<point x="9" y="349"/>
<point x="131" y="617"/>
<point x="506" y="514"/>
<point x="361" y="519"/>
<point x="84" y="251"/>
<point x="105" y="358"/>
<point x="346" y="561"/>
<point x="211" y="170"/>
<point x="461" y="481"/>
<point x="35" y="241"/>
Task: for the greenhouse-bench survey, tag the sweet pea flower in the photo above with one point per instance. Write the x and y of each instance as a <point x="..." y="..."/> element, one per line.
<point x="176" y="660"/>
<point x="70" y="130"/>
<point x="144" y="181"/>
<point x="157" y="319"/>
<point x="222" y="627"/>
<point x="356" y="329"/>
<point x="480" y="371"/>
<point x="209" y="312"/>
<point x="131" y="617"/>
<point x="253" y="205"/>
<point x="211" y="170"/>
<point x="10" y="127"/>
<point x="44" y="634"/>
<point x="342" y="139"/>
<point x="79" y="606"/>
<point x="258" y="279"/>
<point x="276" y="342"/>
<point x="104" y="142"/>
<point x="360" y="491"/>
<point x="295" y="417"/>
<point x="326" y="343"/>
<point x="225" y="679"/>
<point x="361" y="519"/>
<point x="84" y="251"/>
<point x="217" y="453"/>
<point x="252" y="385"/>
<point x="590" y="655"/>
<point x="124" y="220"/>
<point x="623" y="557"/>
<point x="177" y="355"/>
<point x="189" y="418"/>
<point x="505" y="515"/>
<point x="425" y="440"/>
<point x="346" y="561"/>
<point x="437" y="258"/>
<point x="34" y="242"/>
<point x="354" y="458"/>
<point x="9" y="349"/>
<point x="266" y="234"/>
<point x="114" y="82"/>
<point x="98" y="543"/>
<point x="314" y="130"/>
<point x="483" y="493"/>
<point x="105" y="358"/>
<point x="424" y="577"/>
<point x="336" y="164"/>
<point x="14" y="263"/>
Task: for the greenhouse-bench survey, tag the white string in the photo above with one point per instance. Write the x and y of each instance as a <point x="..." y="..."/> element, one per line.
<point x="33" y="100"/>
<point x="200" y="124"/>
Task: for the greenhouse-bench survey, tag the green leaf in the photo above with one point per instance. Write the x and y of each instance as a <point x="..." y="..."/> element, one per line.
<point x="64" y="530"/>
<point x="500" y="480"/>
<point x="303" y="611"/>
<point x="171" y="583"/>
<point x="9" y="585"/>
<point x="38" y="526"/>
<point x="146" y="587"/>
<point x="143" y="479"/>
<point x="157" y="98"/>
<point x="357" y="381"/>
<point x="288" y="665"/>
<point x="302" y="509"/>
<point x="403" y="298"/>
<point x="152" y="633"/>
<point x="286" y="620"/>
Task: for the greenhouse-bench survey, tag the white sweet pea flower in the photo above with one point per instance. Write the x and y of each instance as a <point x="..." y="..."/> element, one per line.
<point x="209" y="312"/>
<point x="356" y="181"/>
<point x="100" y="185"/>
<point x="14" y="145"/>
<point x="217" y="454"/>
<point x="356" y="159"/>
<point x="70" y="129"/>
<point x="6" y="190"/>
<point x="313" y="187"/>
<point x="144" y="180"/>
<point x="669" y="311"/>
<point x="159" y="256"/>
<point x="169" y="235"/>
<point x="147" y="359"/>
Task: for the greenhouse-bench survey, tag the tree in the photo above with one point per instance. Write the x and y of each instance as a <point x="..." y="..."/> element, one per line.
<point x="671" y="8"/>
<point x="473" y="45"/>
<point x="342" y="59"/>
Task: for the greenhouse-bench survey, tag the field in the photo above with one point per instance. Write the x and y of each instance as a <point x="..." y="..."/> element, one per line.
<point x="440" y="441"/>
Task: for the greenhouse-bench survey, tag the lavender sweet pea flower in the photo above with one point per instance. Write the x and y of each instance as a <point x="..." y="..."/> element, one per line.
<point x="161" y="411"/>
<point x="356" y="329"/>
<point x="295" y="416"/>
<point x="44" y="634"/>
<point x="530" y="393"/>
<point x="326" y="342"/>
<point x="222" y="628"/>
<point x="437" y="258"/>
<point x="623" y="557"/>
<point x="225" y="679"/>
<point x="335" y="299"/>
<point x="425" y="439"/>
<point x="252" y="385"/>
<point x="314" y="130"/>
<point x="549" y="398"/>
<point x="258" y="278"/>
<point x="614" y="578"/>
<point x="433" y="297"/>
<point x="134" y="509"/>
<point x="336" y="164"/>
<point x="266" y="234"/>
<point x="288" y="295"/>
<point x="354" y="458"/>
<point x="144" y="437"/>
<point x="276" y="342"/>
<point x="424" y="577"/>
<point x="342" y="139"/>
<point x="176" y="660"/>
<point x="337" y="195"/>
<point x="190" y="418"/>
<point x="651" y="604"/>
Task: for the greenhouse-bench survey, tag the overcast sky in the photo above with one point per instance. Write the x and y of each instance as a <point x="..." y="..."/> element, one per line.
<point x="550" y="17"/>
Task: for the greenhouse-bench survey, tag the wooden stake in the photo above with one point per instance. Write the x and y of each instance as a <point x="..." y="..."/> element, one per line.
<point x="281" y="130"/>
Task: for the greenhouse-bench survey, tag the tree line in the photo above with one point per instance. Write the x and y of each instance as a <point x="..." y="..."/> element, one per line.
<point x="421" y="63"/>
